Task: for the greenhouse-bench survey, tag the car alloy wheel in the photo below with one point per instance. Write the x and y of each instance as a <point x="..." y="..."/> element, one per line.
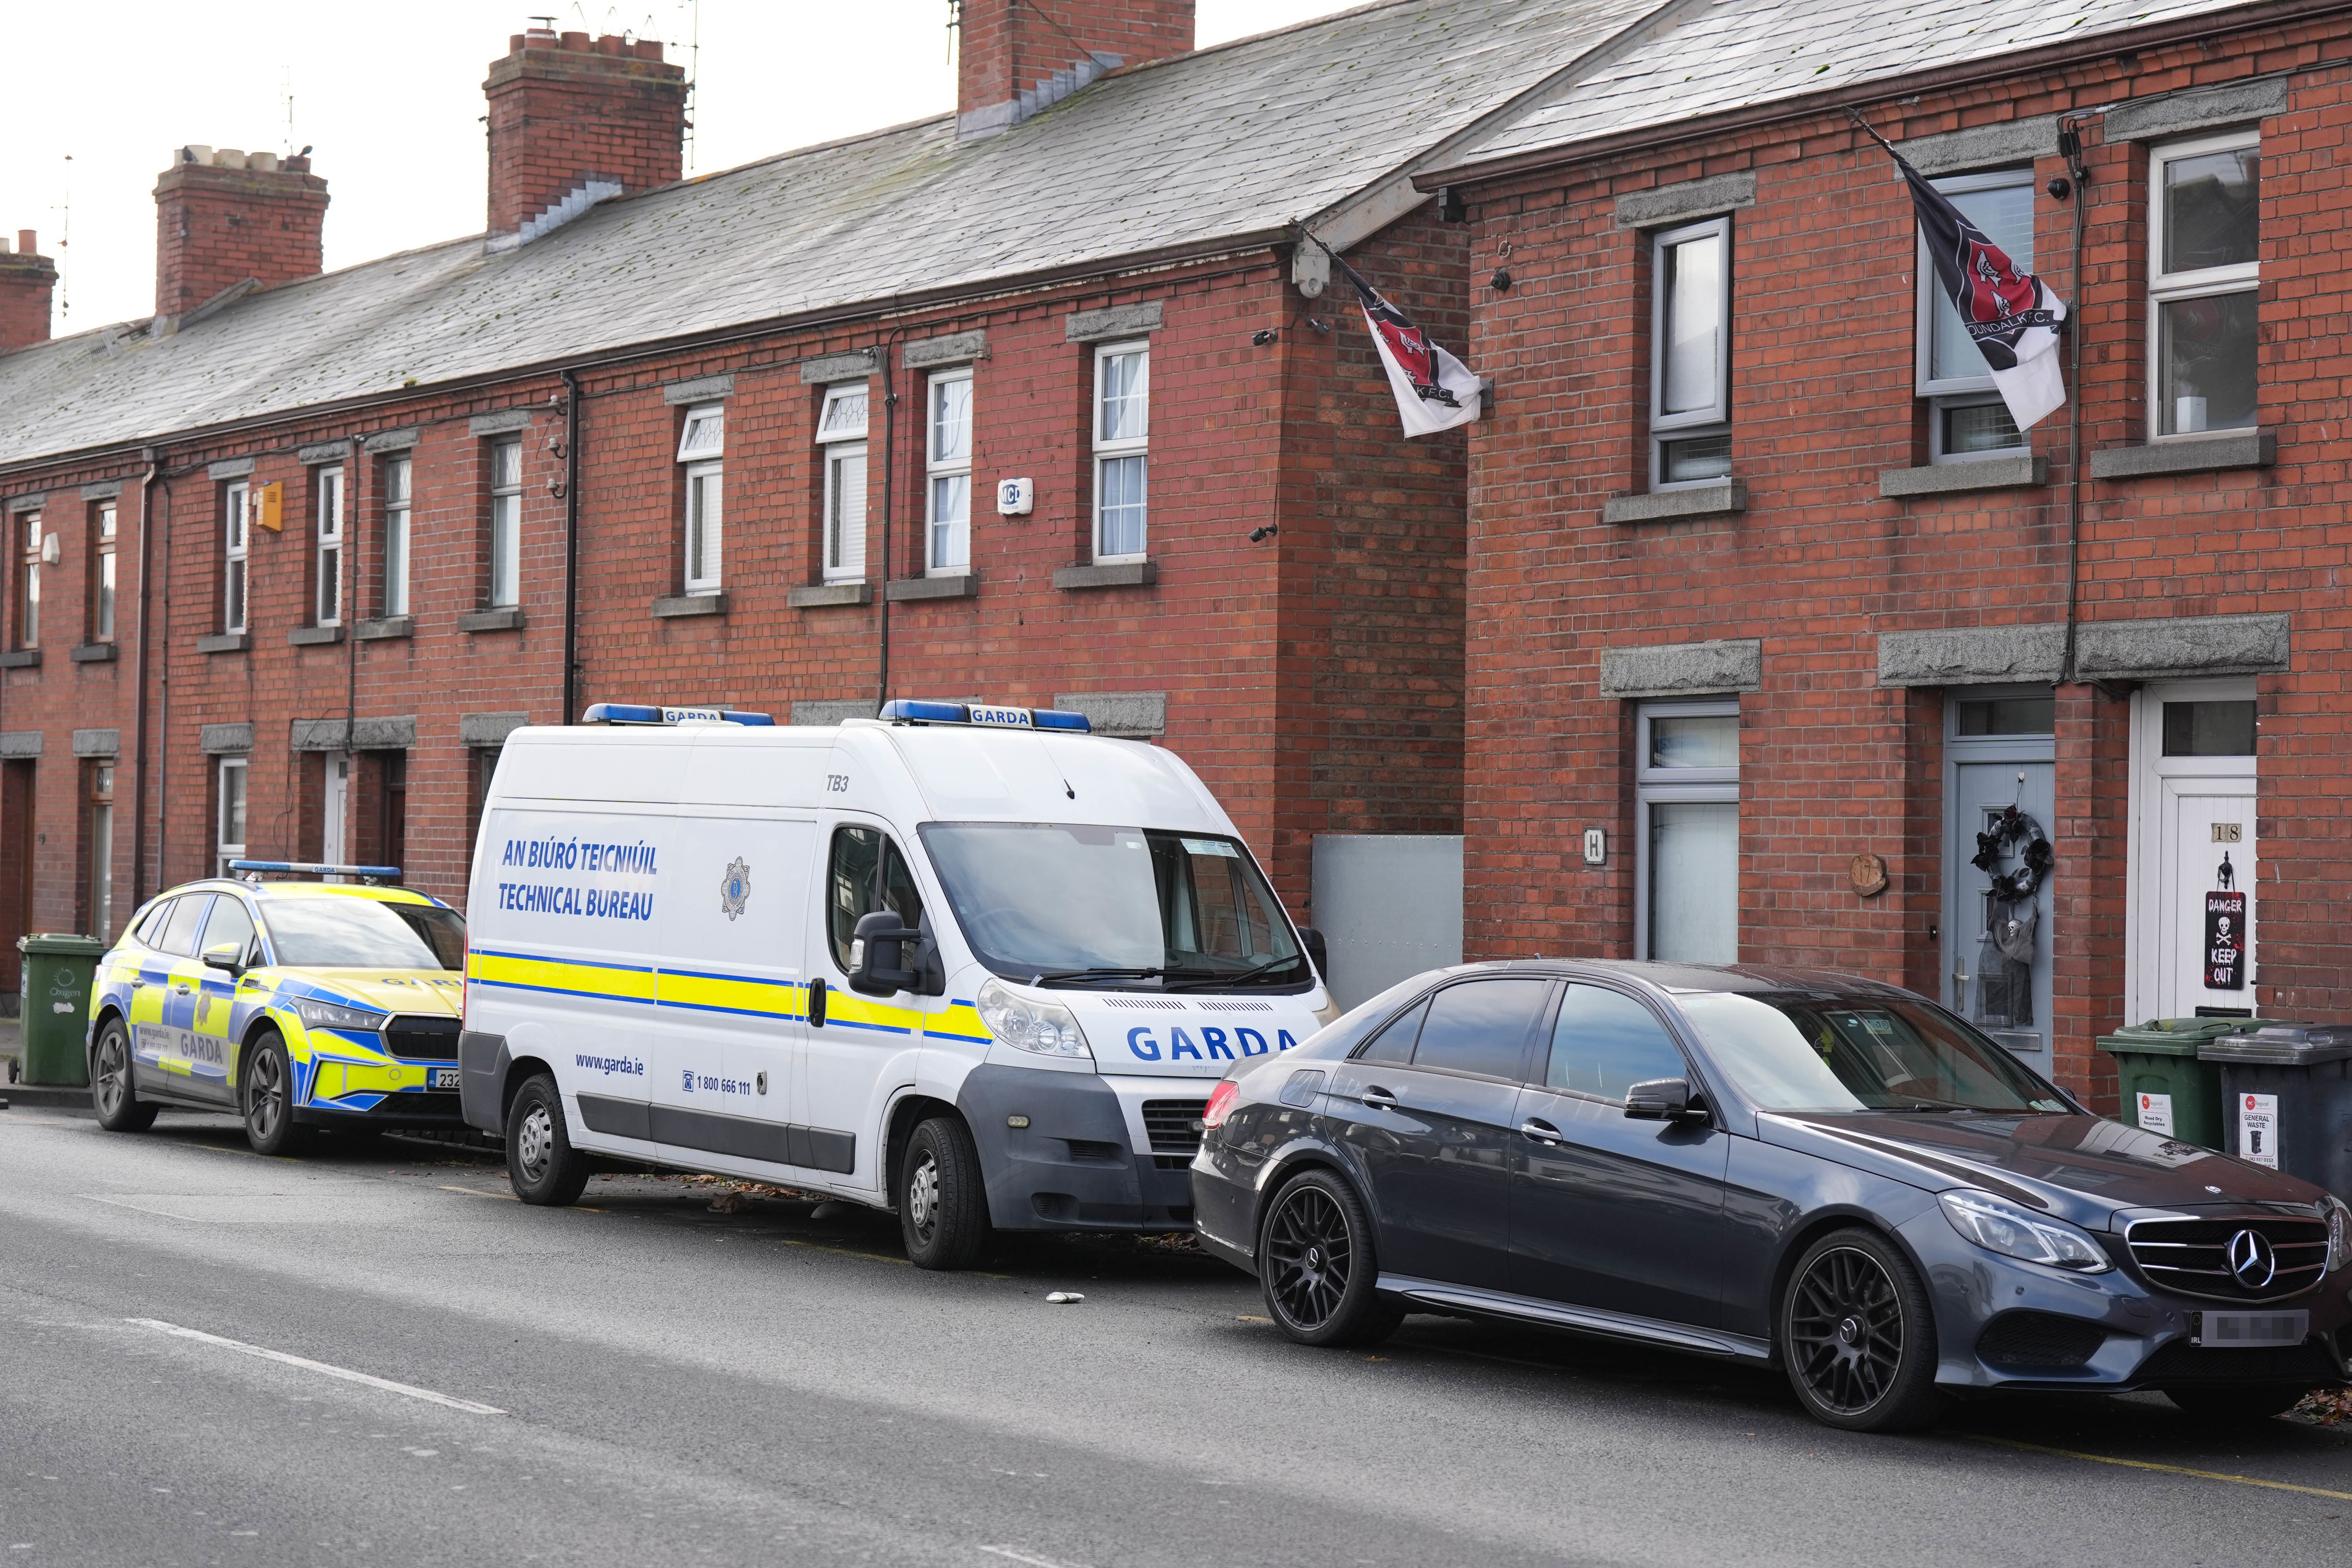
<point x="265" y="1098"/>
<point x="1308" y="1253"/>
<point x="113" y="1094"/>
<point x="113" y="1079"/>
<point x="1846" y="1331"/>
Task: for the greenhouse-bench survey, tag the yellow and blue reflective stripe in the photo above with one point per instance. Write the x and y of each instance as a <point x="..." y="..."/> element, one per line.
<point x="560" y="976"/>
<point x="706" y="991"/>
<point x="742" y="994"/>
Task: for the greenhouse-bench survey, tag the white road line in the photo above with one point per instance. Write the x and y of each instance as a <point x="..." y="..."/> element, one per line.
<point x="346" y="1373"/>
<point x="1009" y="1554"/>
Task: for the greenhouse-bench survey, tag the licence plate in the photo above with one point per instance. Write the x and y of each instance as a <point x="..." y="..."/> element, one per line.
<point x="440" y="1077"/>
<point x="2234" y="1331"/>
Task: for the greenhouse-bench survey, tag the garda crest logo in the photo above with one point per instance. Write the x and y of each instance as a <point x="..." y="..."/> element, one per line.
<point x="734" y="888"/>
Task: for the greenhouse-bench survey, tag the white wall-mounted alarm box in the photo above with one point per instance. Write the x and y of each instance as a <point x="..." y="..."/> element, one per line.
<point x="1015" y="498"/>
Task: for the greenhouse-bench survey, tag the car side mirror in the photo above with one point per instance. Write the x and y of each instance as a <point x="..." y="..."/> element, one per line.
<point x="880" y="959"/>
<point x="1317" y="949"/>
<point x="228" y="959"/>
<point x="1665" y="1100"/>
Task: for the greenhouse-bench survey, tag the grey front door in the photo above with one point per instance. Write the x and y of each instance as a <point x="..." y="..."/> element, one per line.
<point x="2007" y="996"/>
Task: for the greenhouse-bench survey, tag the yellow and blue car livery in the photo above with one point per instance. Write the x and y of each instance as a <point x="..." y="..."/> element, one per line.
<point x="200" y="980"/>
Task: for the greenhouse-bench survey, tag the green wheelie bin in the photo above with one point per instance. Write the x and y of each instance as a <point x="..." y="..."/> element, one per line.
<point x="54" y="988"/>
<point x="2165" y="1089"/>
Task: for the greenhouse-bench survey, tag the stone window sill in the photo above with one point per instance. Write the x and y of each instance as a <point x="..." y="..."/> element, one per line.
<point x="1664" y="506"/>
<point x="94" y="653"/>
<point x="2187" y="455"/>
<point x="2022" y="471"/>
<point x="1117" y="575"/>
<point x="505" y="619"/>
<point x="314" y="637"/>
<point x="21" y="658"/>
<point x="676" y="605"/>
<point x="819" y="595"/>
<point x="385" y="628"/>
<point x="963" y="586"/>
<point x="225" y="642"/>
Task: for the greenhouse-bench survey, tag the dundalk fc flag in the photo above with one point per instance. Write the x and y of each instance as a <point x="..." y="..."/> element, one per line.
<point x="1433" y="390"/>
<point x="2012" y="316"/>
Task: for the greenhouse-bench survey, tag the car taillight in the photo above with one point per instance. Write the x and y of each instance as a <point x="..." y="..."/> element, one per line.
<point x="1221" y="1101"/>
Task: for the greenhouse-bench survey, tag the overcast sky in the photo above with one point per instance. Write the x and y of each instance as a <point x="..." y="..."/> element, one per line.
<point x="391" y="97"/>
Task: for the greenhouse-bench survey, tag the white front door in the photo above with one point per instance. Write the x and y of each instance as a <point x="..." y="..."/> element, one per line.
<point x="335" y="810"/>
<point x="2190" y="950"/>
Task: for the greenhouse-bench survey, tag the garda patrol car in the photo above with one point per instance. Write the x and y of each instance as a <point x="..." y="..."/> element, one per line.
<point x="971" y="963"/>
<point x="293" y="1005"/>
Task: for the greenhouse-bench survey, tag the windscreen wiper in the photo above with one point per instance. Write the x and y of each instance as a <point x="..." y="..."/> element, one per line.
<point x="1192" y="979"/>
<point x="1048" y="976"/>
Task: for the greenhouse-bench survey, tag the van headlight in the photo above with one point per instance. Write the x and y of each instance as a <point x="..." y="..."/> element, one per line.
<point x="316" y="1014"/>
<point x="1999" y="1225"/>
<point x="2339" y="1233"/>
<point x="1047" y="1028"/>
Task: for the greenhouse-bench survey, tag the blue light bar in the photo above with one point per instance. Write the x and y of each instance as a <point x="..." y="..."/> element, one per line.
<point x="915" y="711"/>
<point x="315" y="868"/>
<point x="640" y="713"/>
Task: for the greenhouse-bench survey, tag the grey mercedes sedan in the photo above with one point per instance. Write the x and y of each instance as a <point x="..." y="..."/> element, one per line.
<point x="1789" y="1168"/>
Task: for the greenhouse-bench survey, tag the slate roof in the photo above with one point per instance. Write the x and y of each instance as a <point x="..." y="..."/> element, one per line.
<point x="1232" y="142"/>
<point x="1734" y="53"/>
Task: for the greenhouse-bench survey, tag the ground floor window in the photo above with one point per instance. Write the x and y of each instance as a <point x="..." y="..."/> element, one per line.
<point x="1686" y="792"/>
<point x="229" y="813"/>
<point x="98" y="849"/>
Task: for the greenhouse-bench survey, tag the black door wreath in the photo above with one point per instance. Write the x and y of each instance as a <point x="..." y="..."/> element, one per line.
<point x="2005" y="997"/>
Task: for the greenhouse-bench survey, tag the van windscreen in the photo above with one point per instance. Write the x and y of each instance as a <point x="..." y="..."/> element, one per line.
<point x="1084" y="905"/>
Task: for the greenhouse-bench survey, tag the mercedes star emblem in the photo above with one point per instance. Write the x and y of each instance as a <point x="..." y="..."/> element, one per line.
<point x="2252" y="1260"/>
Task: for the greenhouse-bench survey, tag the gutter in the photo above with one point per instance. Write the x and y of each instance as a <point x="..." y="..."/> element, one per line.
<point x="2202" y="27"/>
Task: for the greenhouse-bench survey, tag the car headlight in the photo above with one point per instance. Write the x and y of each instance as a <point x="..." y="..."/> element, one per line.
<point x="316" y="1014"/>
<point x="1047" y="1028"/>
<point x="2339" y="1233"/>
<point x="1999" y="1225"/>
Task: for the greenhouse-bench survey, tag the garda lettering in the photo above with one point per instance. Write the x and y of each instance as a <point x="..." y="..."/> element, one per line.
<point x="1214" y="1044"/>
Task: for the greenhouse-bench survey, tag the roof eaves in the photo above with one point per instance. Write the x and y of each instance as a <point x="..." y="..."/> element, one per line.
<point x="2201" y="26"/>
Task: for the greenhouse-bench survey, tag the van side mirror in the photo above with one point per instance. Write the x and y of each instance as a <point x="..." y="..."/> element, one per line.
<point x="884" y="955"/>
<point x="1317" y="949"/>
<point x="1665" y="1100"/>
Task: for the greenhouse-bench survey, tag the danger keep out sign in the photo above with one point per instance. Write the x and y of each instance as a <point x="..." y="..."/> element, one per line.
<point x="2225" y="942"/>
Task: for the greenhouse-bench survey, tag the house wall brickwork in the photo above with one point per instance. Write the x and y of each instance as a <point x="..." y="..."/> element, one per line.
<point x="28" y="280"/>
<point x="1820" y="564"/>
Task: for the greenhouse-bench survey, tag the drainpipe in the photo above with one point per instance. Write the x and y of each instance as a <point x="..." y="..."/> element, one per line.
<point x="354" y="552"/>
<point x="138" y="756"/>
<point x="570" y="546"/>
<point x="2070" y="145"/>
<point x="890" y="451"/>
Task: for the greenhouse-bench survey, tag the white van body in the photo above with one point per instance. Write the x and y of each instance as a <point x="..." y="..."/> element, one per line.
<point x="649" y="924"/>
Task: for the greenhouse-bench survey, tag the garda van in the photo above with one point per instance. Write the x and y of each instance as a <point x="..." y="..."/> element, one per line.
<point x="972" y="965"/>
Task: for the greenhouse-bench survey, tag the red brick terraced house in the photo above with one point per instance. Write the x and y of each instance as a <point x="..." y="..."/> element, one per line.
<point x="1037" y="401"/>
<point x="1773" y="610"/>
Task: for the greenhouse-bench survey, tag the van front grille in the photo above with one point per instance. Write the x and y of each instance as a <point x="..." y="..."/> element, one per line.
<point x="1174" y="1127"/>
<point x="2192" y="1256"/>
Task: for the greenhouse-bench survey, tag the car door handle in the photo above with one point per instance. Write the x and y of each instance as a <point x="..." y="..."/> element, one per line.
<point x="1379" y="1099"/>
<point x="181" y="988"/>
<point x="1542" y="1132"/>
<point x="138" y="984"/>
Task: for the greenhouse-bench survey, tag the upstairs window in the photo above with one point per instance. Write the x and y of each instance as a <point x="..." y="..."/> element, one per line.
<point x="102" y="574"/>
<point x="397" y="472"/>
<point x="948" y="464"/>
<point x="330" y="537"/>
<point x="841" y="436"/>
<point x="505" y="524"/>
<point x="1965" y="415"/>
<point x="1122" y="437"/>
<point x="236" y="522"/>
<point x="2204" y="269"/>
<point x="28" y="579"/>
<point x="1690" y="355"/>
<point x="700" y="445"/>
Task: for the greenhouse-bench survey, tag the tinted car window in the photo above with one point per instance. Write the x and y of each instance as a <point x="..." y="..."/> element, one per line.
<point x="1482" y="1026"/>
<point x="230" y="929"/>
<point x="1605" y="1042"/>
<point x="1813" y="1053"/>
<point x="179" y="936"/>
<point x="150" y="930"/>
<point x="1394" y="1044"/>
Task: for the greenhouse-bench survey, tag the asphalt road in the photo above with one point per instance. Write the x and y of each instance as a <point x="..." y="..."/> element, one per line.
<point x="672" y="1384"/>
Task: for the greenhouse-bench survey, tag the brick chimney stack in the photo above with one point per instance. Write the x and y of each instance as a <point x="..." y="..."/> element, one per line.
<point x="26" y="279"/>
<point x="223" y="215"/>
<point x="1015" y="58"/>
<point x="574" y="120"/>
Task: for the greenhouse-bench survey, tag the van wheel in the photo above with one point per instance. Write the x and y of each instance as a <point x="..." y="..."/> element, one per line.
<point x="1858" y="1336"/>
<point x="942" y="1204"/>
<point x="119" y="1109"/>
<point x="269" y="1123"/>
<point x="1318" y="1263"/>
<point x="540" y="1161"/>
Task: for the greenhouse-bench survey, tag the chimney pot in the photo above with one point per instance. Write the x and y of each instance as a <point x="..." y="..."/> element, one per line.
<point x="610" y="44"/>
<point x="28" y="242"/>
<point x="576" y="41"/>
<point x="229" y="158"/>
<point x="196" y="153"/>
<point x="649" y="48"/>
